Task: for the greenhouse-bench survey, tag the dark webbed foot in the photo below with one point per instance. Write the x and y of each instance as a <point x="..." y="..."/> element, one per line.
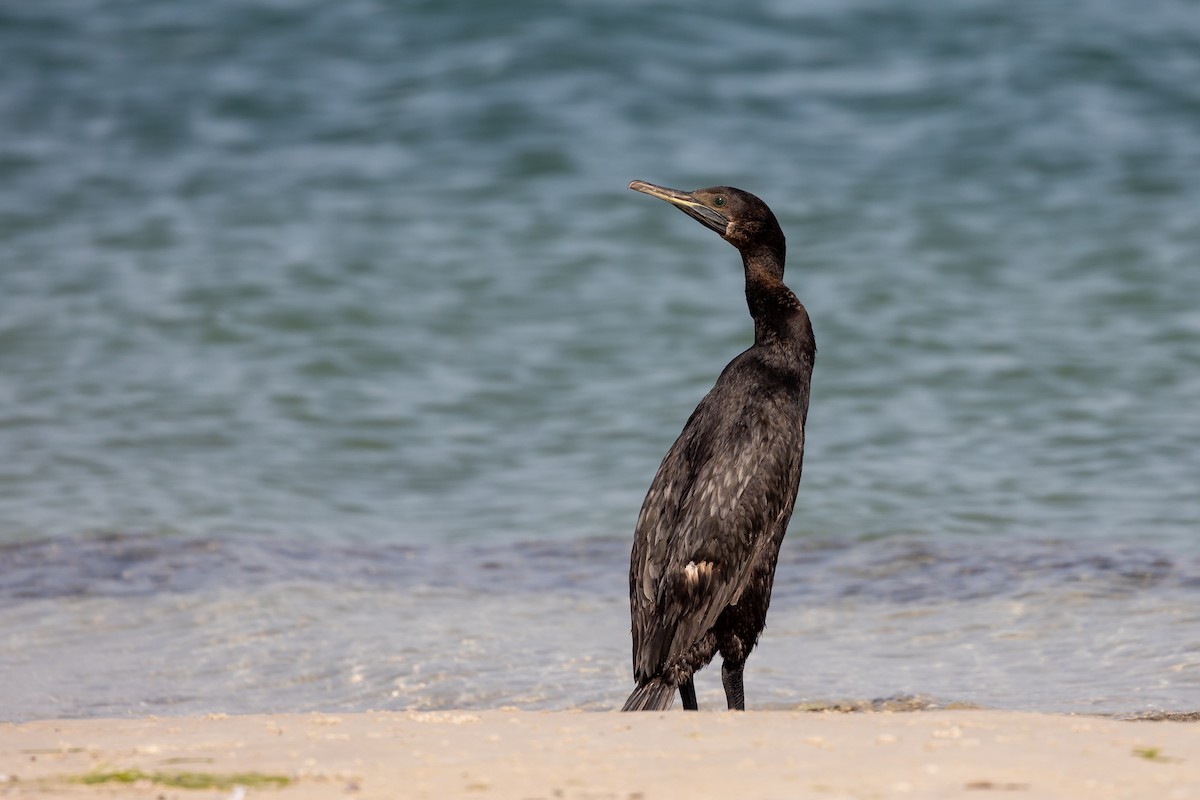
<point x="687" y="693"/>
<point x="731" y="679"/>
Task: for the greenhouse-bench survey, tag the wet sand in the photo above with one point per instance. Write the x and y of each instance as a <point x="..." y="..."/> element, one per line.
<point x="590" y="756"/>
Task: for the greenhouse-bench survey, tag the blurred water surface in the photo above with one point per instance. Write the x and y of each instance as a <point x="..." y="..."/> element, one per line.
<point x="297" y="294"/>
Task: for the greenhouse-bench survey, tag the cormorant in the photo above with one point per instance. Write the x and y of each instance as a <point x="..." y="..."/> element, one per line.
<point x="708" y="535"/>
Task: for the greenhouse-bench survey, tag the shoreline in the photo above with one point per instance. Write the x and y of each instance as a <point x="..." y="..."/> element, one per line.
<point x="592" y="755"/>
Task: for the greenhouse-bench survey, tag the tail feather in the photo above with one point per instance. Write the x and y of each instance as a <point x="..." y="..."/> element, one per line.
<point x="654" y="695"/>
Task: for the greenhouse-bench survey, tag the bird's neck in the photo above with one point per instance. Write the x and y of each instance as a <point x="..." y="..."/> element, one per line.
<point x="771" y="303"/>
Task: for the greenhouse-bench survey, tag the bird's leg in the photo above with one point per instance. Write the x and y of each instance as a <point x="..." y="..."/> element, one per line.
<point x="687" y="693"/>
<point x="731" y="679"/>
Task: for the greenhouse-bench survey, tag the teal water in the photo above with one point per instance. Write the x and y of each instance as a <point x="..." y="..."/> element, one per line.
<point x="293" y="291"/>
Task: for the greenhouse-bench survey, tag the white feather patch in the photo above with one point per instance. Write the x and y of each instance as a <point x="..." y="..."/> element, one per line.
<point x="693" y="573"/>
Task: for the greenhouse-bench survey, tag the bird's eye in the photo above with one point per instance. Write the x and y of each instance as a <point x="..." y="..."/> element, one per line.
<point x="718" y="201"/>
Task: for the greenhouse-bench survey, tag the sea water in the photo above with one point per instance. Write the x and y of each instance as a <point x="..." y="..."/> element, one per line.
<point x="336" y="358"/>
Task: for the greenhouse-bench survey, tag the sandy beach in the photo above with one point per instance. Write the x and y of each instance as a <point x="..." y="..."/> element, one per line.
<point x="516" y="754"/>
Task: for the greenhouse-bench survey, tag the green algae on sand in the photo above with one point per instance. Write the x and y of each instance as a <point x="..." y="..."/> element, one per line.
<point x="187" y="780"/>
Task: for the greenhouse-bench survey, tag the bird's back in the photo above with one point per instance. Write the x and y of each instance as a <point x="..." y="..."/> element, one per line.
<point x="718" y="504"/>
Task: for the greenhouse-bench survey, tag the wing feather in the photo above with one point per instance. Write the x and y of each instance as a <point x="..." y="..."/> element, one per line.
<point x="722" y="489"/>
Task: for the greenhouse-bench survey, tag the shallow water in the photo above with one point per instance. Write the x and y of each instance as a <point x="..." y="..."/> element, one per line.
<point x="136" y="625"/>
<point x="309" y="313"/>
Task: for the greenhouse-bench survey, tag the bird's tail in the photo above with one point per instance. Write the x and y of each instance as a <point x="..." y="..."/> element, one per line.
<point x="654" y="695"/>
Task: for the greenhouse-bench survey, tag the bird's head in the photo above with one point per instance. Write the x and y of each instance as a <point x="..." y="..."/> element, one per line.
<point x="739" y="217"/>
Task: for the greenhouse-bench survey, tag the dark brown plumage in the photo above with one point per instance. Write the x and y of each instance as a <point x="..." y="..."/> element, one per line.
<point x="707" y="539"/>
